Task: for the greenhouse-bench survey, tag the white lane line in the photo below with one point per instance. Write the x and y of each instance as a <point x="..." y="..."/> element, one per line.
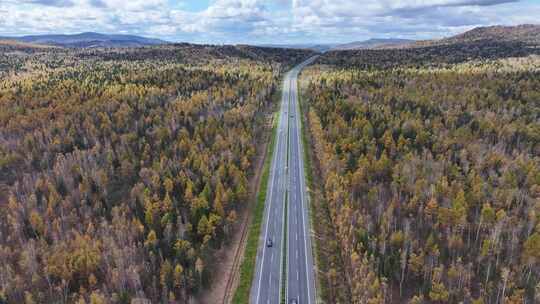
<point x="270" y="288"/>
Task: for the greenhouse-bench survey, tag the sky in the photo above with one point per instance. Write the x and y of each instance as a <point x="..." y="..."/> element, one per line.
<point x="263" y="22"/>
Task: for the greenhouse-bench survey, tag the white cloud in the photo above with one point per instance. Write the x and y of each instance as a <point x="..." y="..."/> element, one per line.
<point x="262" y="21"/>
<point x="131" y="5"/>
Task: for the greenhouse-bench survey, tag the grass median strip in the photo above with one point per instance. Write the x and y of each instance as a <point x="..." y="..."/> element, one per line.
<point x="285" y="270"/>
<point x="247" y="268"/>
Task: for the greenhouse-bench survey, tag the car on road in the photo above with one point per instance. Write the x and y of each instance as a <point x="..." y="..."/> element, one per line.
<point x="293" y="301"/>
<point x="269" y="243"/>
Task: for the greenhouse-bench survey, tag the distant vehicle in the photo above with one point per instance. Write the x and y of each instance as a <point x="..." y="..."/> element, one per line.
<point x="269" y="243"/>
<point x="293" y="301"/>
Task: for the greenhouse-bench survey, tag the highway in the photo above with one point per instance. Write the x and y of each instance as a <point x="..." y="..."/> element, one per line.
<point x="286" y="192"/>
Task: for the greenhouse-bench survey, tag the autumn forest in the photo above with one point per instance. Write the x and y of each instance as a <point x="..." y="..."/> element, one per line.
<point x="429" y="170"/>
<point x="124" y="171"/>
<point x="121" y="171"/>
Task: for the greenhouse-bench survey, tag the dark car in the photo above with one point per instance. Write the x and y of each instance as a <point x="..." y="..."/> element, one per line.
<point x="269" y="243"/>
<point x="293" y="301"/>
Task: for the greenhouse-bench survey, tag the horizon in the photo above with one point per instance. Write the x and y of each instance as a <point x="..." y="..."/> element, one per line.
<point x="178" y="42"/>
<point x="255" y="44"/>
<point x="257" y="22"/>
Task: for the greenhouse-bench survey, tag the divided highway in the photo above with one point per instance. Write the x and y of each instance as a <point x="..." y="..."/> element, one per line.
<point x="286" y="186"/>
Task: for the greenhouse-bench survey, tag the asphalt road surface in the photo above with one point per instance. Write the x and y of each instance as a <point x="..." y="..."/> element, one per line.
<point x="286" y="185"/>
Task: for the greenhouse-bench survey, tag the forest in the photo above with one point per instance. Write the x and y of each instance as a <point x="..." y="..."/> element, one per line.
<point x="430" y="174"/>
<point x="123" y="170"/>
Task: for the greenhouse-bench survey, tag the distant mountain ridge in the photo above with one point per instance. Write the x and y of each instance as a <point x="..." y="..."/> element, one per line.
<point x="320" y="47"/>
<point x="89" y="39"/>
<point x="375" y="43"/>
<point x="526" y="33"/>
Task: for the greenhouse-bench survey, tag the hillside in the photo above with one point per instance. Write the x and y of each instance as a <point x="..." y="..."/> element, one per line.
<point x="89" y="40"/>
<point x="485" y="43"/>
<point x="12" y="45"/>
<point x="525" y="33"/>
<point x="14" y="54"/>
<point x="436" y="55"/>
